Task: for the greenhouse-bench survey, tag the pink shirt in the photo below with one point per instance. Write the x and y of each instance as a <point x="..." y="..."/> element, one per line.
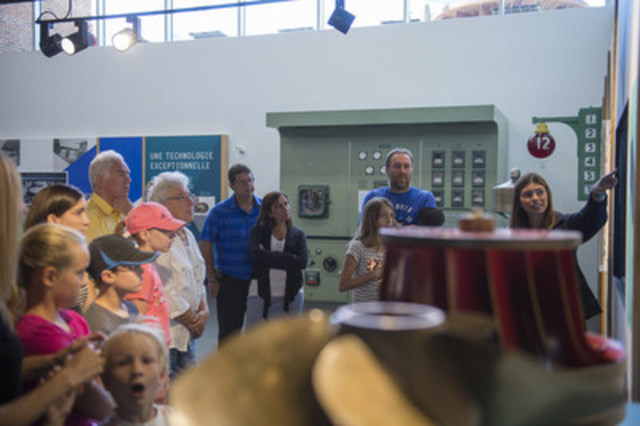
<point x="40" y="336"/>
<point x="152" y="292"/>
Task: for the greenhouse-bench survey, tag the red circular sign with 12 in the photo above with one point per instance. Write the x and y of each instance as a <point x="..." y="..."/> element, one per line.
<point x="541" y="145"/>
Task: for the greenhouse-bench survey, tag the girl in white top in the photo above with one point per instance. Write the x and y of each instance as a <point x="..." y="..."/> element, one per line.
<point x="362" y="271"/>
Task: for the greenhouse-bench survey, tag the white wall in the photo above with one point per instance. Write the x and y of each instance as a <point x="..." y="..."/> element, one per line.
<point x="538" y="64"/>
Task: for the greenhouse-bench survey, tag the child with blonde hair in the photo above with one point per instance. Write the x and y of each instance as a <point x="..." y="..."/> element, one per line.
<point x="362" y="270"/>
<point x="51" y="267"/>
<point x="136" y="368"/>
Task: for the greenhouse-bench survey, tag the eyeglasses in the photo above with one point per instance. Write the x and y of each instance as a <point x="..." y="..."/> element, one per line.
<point x="137" y="269"/>
<point x="183" y="197"/>
<point x="169" y="234"/>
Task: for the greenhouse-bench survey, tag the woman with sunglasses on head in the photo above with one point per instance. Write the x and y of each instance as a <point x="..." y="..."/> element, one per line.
<point x="533" y="208"/>
<point x="65" y="205"/>
<point x="279" y="252"/>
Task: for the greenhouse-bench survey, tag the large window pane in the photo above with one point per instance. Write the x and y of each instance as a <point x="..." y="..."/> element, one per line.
<point x="425" y="10"/>
<point x="152" y="26"/>
<point x="429" y="10"/>
<point x="210" y="23"/>
<point x="370" y="12"/>
<point x="281" y="17"/>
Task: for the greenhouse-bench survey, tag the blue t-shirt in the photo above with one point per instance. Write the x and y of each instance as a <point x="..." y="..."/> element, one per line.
<point x="406" y="205"/>
<point x="228" y="227"/>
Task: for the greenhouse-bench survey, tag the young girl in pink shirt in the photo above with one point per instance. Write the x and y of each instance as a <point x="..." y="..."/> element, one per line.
<point x="52" y="264"/>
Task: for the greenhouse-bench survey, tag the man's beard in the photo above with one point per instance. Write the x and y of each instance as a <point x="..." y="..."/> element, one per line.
<point x="400" y="185"/>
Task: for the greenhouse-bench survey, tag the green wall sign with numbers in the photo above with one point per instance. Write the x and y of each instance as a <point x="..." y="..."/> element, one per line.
<point x="588" y="128"/>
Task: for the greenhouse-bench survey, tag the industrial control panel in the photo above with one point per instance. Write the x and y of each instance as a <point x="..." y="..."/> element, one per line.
<point x="331" y="160"/>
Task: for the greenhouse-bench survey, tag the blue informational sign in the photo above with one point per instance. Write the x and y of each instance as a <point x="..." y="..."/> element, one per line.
<point x="198" y="157"/>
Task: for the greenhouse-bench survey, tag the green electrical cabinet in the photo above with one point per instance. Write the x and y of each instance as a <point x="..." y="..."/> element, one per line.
<point x="329" y="160"/>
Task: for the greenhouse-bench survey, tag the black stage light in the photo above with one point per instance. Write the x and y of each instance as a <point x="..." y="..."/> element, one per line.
<point x="49" y="45"/>
<point x="77" y="41"/>
<point x="340" y="19"/>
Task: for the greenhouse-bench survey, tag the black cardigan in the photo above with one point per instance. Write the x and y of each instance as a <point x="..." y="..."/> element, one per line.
<point x="293" y="259"/>
<point x="589" y="221"/>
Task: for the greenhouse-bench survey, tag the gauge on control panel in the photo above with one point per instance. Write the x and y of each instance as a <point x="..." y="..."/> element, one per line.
<point x="369" y="170"/>
<point x="362" y="155"/>
<point x="382" y="170"/>
<point x="330" y="263"/>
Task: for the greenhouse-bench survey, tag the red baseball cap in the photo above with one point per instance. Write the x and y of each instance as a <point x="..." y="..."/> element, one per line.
<point x="151" y="215"/>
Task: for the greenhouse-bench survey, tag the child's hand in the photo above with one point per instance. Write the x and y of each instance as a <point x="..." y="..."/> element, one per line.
<point x="84" y="365"/>
<point x="97" y="339"/>
<point x="57" y="413"/>
<point x="375" y="266"/>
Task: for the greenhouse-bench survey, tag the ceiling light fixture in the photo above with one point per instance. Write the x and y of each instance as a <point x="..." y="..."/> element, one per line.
<point x="340" y="19"/>
<point x="123" y="40"/>
<point x="49" y="45"/>
<point x="77" y="41"/>
<point x="82" y="38"/>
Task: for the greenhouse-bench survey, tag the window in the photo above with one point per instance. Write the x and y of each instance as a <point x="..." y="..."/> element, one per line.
<point x="281" y="17"/>
<point x="298" y="15"/>
<point x="370" y="12"/>
<point x="210" y="23"/>
<point x="152" y="26"/>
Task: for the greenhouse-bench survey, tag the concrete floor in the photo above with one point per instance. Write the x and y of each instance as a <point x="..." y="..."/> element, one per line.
<point x="208" y="342"/>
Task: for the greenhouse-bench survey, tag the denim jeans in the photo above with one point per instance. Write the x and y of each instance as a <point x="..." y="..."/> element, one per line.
<point x="179" y="360"/>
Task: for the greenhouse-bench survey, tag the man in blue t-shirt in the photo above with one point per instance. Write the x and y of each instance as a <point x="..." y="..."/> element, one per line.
<point x="407" y="200"/>
<point x="227" y="226"/>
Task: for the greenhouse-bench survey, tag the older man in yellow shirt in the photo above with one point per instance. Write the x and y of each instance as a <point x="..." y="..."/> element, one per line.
<point x="109" y="203"/>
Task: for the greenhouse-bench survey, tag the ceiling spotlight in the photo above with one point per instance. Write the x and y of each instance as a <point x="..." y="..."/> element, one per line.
<point x="49" y="45"/>
<point x="77" y="41"/>
<point x="125" y="39"/>
<point x="340" y="19"/>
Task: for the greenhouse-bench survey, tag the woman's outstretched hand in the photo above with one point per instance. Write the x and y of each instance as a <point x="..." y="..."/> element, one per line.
<point x="606" y="182"/>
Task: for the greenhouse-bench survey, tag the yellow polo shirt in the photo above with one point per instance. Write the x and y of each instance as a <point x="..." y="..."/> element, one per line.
<point x="103" y="219"/>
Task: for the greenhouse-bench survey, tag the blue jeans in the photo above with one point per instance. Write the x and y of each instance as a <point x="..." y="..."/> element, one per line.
<point x="179" y="360"/>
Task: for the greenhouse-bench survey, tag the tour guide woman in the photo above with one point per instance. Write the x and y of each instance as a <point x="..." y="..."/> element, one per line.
<point x="533" y="208"/>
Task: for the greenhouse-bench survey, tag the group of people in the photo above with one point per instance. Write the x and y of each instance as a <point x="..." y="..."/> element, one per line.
<point x="405" y="205"/>
<point x="102" y="301"/>
<point x="86" y="331"/>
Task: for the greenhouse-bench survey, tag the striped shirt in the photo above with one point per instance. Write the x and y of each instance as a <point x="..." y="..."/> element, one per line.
<point x="228" y="227"/>
<point x="370" y="291"/>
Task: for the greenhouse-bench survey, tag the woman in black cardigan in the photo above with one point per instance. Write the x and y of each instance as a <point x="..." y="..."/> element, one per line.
<point x="533" y="208"/>
<point x="279" y="252"/>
